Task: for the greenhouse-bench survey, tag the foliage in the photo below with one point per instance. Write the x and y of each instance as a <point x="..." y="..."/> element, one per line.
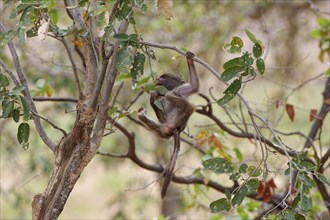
<point x="242" y="66"/>
<point x="13" y="106"/>
<point x="96" y="46"/>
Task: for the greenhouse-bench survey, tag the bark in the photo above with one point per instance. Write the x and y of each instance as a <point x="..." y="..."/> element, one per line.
<point x="77" y="149"/>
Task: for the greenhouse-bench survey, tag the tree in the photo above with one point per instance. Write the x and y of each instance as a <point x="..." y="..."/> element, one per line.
<point x="108" y="49"/>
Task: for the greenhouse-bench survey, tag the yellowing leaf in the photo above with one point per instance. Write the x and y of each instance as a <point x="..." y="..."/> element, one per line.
<point x="78" y="43"/>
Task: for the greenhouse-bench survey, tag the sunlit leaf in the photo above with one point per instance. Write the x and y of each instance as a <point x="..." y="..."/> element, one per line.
<point x="251" y="36"/>
<point x="234" y="46"/>
<point x="53" y="15"/>
<point x="327" y="72"/>
<point x="253" y="171"/>
<point x="238" y="153"/>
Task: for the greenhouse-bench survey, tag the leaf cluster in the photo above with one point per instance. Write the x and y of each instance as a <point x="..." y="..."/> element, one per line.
<point x="242" y="66"/>
<point x="14" y="106"/>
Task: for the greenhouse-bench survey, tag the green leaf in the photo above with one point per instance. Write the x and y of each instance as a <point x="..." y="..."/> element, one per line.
<point x="144" y="80"/>
<point x="98" y="10"/>
<point x="228" y="194"/>
<point x="219" y="165"/>
<point x="238" y="153"/>
<point x="41" y="83"/>
<point x="7" y="37"/>
<point x="306" y="203"/>
<point x="123" y="60"/>
<point x="248" y="60"/>
<point x="26" y="109"/>
<point x="251" y="36"/>
<point x="112" y="111"/>
<point x="257" y="50"/>
<point x="144" y="7"/>
<point x="8" y="107"/>
<point x="239" y="195"/>
<point x="232" y="72"/>
<point x="260" y="65"/>
<point x="235" y="176"/>
<point x="53" y="14"/>
<point x="233" y="88"/>
<point x="288" y="214"/>
<point x="234" y="46"/>
<point x="296" y="201"/>
<point x="322" y="178"/>
<point x="21" y="35"/>
<point x="252" y="185"/>
<point x="323" y="22"/>
<point x="243" y="168"/>
<point x="220" y="205"/>
<point x="159" y="105"/>
<point x="327" y="72"/>
<point x="162" y="90"/>
<point x="309" y="182"/>
<point x="138" y="65"/>
<point x="4" y="82"/>
<point x="253" y="171"/>
<point x="317" y="33"/>
<point x="122" y="37"/>
<point x="23" y="133"/>
<point x="225" y="99"/>
<point x="15" y="114"/>
<point x="238" y="61"/>
<point x="107" y="32"/>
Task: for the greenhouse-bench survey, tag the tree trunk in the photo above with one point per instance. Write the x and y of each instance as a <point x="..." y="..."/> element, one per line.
<point x="71" y="157"/>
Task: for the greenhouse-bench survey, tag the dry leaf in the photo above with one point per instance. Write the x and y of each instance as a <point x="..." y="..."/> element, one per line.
<point x="43" y="30"/>
<point x="290" y="111"/>
<point x="278" y="103"/>
<point x="78" y="43"/>
<point x="165" y="7"/>
<point x="327" y="101"/>
<point x="312" y="114"/>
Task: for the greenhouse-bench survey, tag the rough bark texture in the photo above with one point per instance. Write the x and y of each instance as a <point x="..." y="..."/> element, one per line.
<point x="71" y="157"/>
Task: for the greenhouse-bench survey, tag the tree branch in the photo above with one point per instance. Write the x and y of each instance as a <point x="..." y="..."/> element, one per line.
<point x="52" y="145"/>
